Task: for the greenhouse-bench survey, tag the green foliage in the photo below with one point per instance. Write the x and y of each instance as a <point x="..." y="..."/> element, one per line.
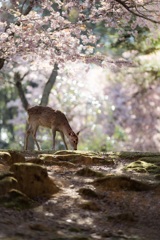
<point x="126" y="38"/>
<point x="99" y="141"/>
<point x="7" y="93"/>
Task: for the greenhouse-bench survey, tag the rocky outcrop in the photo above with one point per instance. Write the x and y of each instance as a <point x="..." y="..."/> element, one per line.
<point x="79" y="195"/>
<point x="87" y="172"/>
<point x="122" y="182"/>
<point x="29" y="179"/>
<point x="7" y="182"/>
<point x="143" y="167"/>
<point x="11" y="157"/>
<point x="77" y="157"/>
<point x="33" y="180"/>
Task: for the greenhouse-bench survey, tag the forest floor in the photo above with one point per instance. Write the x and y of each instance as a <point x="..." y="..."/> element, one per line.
<point x="112" y="196"/>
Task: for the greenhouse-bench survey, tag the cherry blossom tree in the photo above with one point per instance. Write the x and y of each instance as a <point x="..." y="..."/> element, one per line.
<point x="63" y="30"/>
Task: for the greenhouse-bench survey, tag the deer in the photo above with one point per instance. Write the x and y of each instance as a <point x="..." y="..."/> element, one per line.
<point x="55" y="120"/>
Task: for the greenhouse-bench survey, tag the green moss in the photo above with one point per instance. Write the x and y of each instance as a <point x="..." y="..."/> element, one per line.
<point x="136" y="155"/>
<point x="151" y="159"/>
<point x="143" y="167"/>
<point x="33" y="180"/>
<point x="68" y="152"/>
<point x="5" y="157"/>
<point x="7" y="183"/>
<point x="16" y="199"/>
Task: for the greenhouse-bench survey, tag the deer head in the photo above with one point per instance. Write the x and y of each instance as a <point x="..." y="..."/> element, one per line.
<point x="73" y="139"/>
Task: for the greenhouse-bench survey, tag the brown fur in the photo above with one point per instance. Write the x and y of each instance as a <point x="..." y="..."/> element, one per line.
<point x="50" y="118"/>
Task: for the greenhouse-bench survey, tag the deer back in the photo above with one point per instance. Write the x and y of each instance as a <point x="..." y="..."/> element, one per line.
<point x="47" y="117"/>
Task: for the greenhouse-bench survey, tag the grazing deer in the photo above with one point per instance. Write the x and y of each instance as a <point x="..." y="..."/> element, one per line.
<point x="50" y="118"/>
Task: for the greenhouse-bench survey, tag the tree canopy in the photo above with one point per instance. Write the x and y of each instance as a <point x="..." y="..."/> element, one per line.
<point x="64" y="30"/>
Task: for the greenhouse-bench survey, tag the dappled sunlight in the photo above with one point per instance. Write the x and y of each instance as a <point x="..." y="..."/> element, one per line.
<point x="80" y="220"/>
<point x="96" y="105"/>
<point x="95" y="198"/>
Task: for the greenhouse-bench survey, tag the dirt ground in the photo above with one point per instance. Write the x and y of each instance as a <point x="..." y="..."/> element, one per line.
<point x="92" y="203"/>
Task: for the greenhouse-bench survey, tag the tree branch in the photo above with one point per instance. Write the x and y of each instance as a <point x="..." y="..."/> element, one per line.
<point x="136" y="13"/>
<point x="2" y="60"/>
<point x="28" y="9"/>
<point x="49" y="85"/>
<point x="20" y="90"/>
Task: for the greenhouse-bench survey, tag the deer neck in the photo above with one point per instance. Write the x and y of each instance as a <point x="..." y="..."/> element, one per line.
<point x="67" y="130"/>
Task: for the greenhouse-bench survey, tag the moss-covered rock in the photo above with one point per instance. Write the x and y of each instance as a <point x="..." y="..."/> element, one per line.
<point x="135" y="155"/>
<point x="5" y="174"/>
<point x="76" y="157"/>
<point x="88" y="193"/>
<point x="46" y="157"/>
<point x="7" y="183"/>
<point x="121" y="182"/>
<point x="11" y="157"/>
<point x="143" y="167"/>
<point x="5" y="157"/>
<point x="16" y="157"/>
<point x="71" y="152"/>
<point x="87" y="172"/>
<point x="48" y="161"/>
<point x="151" y="159"/>
<point x="35" y="160"/>
<point x="33" y="180"/>
<point x="16" y="199"/>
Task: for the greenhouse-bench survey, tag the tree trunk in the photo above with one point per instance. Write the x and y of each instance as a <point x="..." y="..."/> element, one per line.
<point x="18" y="84"/>
<point x="49" y="85"/>
<point x="2" y="60"/>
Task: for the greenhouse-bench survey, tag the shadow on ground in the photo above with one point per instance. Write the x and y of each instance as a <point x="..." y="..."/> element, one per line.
<point x="79" y="195"/>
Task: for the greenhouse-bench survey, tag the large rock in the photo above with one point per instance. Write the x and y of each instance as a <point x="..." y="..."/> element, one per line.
<point x="16" y="157"/>
<point x="16" y="199"/>
<point x="11" y="157"/>
<point x="7" y="182"/>
<point x="77" y="157"/>
<point x="121" y="182"/>
<point x="33" y="180"/>
<point x="87" y="172"/>
<point x="5" y="157"/>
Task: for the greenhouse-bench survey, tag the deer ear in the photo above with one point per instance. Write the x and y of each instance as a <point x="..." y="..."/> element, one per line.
<point x="78" y="133"/>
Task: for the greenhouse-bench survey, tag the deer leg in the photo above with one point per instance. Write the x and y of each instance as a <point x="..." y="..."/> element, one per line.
<point x="63" y="138"/>
<point x="34" y="137"/>
<point x="53" y="138"/>
<point x="28" y="132"/>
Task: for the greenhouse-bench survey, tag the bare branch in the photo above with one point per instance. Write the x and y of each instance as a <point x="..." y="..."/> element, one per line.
<point x="130" y="8"/>
<point x="28" y="9"/>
